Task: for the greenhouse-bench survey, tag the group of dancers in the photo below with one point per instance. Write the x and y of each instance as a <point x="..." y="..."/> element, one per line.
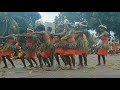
<point x="64" y="45"/>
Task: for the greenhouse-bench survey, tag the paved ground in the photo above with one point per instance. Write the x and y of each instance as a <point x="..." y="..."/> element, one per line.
<point x="112" y="70"/>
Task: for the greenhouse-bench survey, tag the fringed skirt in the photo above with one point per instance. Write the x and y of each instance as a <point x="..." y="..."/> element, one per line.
<point x="70" y="49"/>
<point x="103" y="49"/>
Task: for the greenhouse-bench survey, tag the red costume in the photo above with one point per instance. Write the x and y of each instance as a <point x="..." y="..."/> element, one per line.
<point x="6" y="51"/>
<point x="46" y="52"/>
<point x="70" y="48"/>
<point x="29" y="45"/>
<point x="104" y="50"/>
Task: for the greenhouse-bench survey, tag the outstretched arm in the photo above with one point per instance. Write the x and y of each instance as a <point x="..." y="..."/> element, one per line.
<point x="1" y="37"/>
<point x="60" y="34"/>
<point x="77" y="32"/>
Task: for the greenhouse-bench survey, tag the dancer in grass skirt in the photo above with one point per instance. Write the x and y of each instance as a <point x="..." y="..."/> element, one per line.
<point x="104" y="46"/>
<point x="59" y="46"/>
<point x="52" y="47"/>
<point x="8" y="50"/>
<point x="43" y="45"/>
<point x="82" y="43"/>
<point x="70" y="48"/>
<point x="30" y="47"/>
<point x="19" y="54"/>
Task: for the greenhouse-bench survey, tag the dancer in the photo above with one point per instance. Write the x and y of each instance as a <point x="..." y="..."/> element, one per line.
<point x="103" y="47"/>
<point x="44" y="50"/>
<point x="82" y="43"/>
<point x="60" y="43"/>
<point x="70" y="48"/>
<point x="30" y="47"/>
<point x="8" y="50"/>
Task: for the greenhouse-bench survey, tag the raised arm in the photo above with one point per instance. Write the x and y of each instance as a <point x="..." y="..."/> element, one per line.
<point x="1" y="37"/>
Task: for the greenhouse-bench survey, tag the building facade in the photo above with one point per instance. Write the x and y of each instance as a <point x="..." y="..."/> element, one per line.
<point x="50" y="24"/>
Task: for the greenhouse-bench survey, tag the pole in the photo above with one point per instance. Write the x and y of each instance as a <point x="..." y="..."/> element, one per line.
<point x="100" y="21"/>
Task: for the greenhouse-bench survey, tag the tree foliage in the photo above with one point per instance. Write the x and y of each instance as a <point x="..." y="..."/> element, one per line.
<point x="16" y="20"/>
<point x="110" y="19"/>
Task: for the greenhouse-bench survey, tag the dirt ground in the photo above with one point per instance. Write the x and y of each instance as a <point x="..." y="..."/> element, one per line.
<point x="112" y="70"/>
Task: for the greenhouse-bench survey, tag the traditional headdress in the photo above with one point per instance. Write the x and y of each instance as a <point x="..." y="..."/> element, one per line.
<point x="103" y="26"/>
<point x="84" y="23"/>
<point x="39" y="21"/>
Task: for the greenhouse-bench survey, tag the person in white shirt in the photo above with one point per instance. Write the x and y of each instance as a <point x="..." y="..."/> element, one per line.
<point x="66" y="20"/>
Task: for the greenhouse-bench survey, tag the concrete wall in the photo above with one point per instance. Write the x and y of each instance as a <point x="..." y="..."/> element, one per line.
<point x="50" y="24"/>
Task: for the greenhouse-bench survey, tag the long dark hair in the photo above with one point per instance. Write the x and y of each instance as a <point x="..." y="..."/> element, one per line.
<point x="40" y="28"/>
<point x="87" y="33"/>
<point x="60" y="28"/>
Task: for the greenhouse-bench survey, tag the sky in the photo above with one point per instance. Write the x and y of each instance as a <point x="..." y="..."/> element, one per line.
<point x="48" y="16"/>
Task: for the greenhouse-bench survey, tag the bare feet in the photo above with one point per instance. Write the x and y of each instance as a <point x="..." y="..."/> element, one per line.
<point x="13" y="66"/>
<point x="98" y="65"/>
<point x="24" y="67"/>
<point x="74" y="68"/>
<point x="30" y="66"/>
<point x="5" y="67"/>
<point x="36" y="66"/>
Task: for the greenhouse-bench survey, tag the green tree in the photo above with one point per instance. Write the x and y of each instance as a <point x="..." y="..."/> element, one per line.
<point x="20" y="20"/>
<point x="110" y="19"/>
<point x="56" y="21"/>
